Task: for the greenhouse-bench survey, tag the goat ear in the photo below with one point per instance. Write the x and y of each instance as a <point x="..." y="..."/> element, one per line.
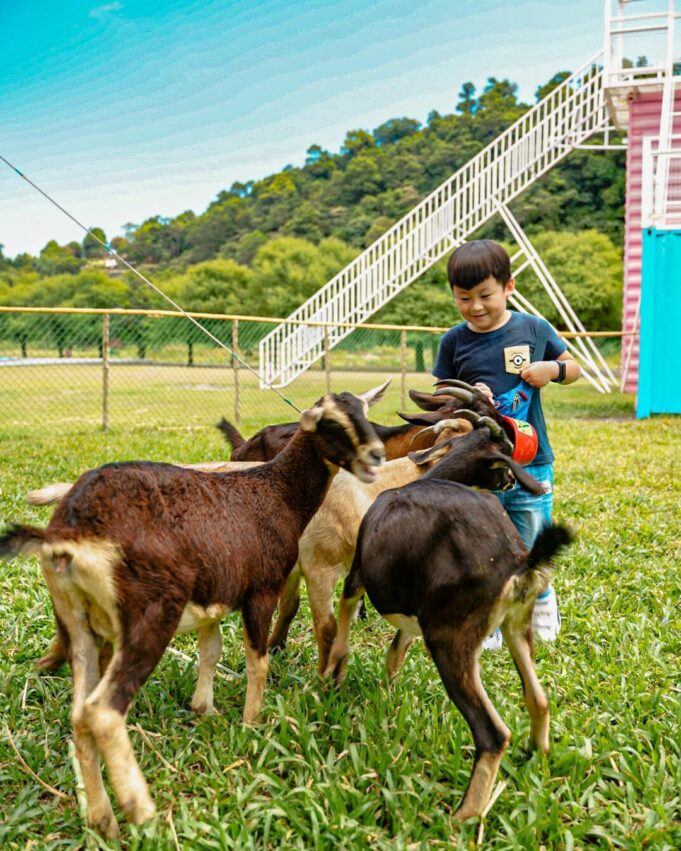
<point x="372" y="396"/>
<point x="525" y="479"/>
<point x="428" y="401"/>
<point x="419" y="419"/>
<point x="425" y="456"/>
<point x="310" y="418"/>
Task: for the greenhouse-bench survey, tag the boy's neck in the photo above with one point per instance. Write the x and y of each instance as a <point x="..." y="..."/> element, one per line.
<point x="505" y="318"/>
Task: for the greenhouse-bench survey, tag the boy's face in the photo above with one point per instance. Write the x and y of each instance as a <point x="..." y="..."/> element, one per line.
<point x="484" y="306"/>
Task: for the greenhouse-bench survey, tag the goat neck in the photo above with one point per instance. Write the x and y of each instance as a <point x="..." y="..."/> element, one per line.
<point x="303" y="473"/>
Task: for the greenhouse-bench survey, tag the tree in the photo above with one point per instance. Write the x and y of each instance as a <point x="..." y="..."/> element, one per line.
<point x="588" y="268"/>
<point x="288" y="271"/>
<point x="357" y="141"/>
<point x="91" y="247"/>
<point x="361" y="177"/>
<point x="56" y="259"/>
<point x="319" y="163"/>
<point x="217" y="286"/>
<point x="395" y="129"/>
<point x="552" y="84"/>
<point x="467" y="101"/>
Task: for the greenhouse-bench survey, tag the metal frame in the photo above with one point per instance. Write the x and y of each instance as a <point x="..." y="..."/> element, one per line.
<point x="543" y="136"/>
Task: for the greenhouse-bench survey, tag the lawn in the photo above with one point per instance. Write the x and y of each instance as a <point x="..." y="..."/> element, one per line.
<point x="368" y="765"/>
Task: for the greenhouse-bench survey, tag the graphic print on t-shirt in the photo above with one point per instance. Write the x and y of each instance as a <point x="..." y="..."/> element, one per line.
<point x="516" y="358"/>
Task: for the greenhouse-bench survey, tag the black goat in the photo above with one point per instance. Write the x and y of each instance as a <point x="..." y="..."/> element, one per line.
<point x="444" y="561"/>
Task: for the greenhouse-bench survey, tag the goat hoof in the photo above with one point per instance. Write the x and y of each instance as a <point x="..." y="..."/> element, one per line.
<point x="465" y="813"/>
<point x="105" y="825"/>
<point x="50" y="662"/>
<point x="139" y="812"/>
<point x="336" y="669"/>
<point x="202" y="709"/>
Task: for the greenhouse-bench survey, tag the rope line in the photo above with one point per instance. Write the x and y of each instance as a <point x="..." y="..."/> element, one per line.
<point x="146" y="280"/>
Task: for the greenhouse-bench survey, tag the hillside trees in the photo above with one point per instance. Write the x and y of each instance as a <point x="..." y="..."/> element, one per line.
<point x="341" y="194"/>
<point x="264" y="245"/>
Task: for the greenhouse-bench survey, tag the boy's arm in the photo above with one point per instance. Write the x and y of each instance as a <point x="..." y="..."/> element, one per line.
<point x="540" y="373"/>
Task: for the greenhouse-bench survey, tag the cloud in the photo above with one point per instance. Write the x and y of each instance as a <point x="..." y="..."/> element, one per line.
<point x="100" y="12"/>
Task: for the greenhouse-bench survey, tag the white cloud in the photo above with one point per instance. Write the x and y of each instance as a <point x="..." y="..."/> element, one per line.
<point x="102" y="11"/>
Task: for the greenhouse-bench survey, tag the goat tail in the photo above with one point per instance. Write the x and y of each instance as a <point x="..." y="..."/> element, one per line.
<point x="232" y="434"/>
<point x="21" y="540"/>
<point x="548" y="543"/>
<point x="49" y="494"/>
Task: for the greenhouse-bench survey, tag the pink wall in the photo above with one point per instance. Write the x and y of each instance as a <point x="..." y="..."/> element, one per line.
<point x="644" y="120"/>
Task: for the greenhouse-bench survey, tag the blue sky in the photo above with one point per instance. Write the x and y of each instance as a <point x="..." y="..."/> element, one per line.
<point x="131" y="108"/>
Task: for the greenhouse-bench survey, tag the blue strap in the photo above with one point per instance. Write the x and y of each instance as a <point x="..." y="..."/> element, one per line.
<point x="516" y="401"/>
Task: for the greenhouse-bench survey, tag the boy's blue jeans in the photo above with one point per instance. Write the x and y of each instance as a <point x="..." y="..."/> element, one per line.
<point x="530" y="513"/>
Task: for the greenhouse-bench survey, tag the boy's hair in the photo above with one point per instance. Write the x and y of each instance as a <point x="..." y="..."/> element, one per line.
<point x="475" y="261"/>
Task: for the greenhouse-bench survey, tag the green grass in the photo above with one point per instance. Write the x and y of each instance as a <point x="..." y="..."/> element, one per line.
<point x="367" y="765"/>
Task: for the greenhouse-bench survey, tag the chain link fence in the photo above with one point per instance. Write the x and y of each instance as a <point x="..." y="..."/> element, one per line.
<point x="88" y="369"/>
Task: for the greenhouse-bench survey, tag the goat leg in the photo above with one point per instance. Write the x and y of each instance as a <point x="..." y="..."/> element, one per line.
<point x="347" y="612"/>
<point x="56" y="653"/>
<point x="456" y="657"/>
<point x="519" y="642"/>
<point x="210" y="650"/>
<point x="397" y="652"/>
<point x="257" y="618"/>
<point x="289" y="602"/>
<point x="83" y="658"/>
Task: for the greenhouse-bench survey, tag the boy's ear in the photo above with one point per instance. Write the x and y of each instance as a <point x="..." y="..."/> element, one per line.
<point x="509" y="287"/>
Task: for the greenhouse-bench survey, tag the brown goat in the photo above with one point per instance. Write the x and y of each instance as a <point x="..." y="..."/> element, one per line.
<point x="398" y="440"/>
<point x="137" y="552"/>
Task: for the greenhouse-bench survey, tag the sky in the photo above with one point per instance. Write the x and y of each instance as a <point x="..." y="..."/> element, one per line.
<point x="134" y="108"/>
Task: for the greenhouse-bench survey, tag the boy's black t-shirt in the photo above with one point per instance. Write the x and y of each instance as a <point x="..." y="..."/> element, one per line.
<point x="473" y="356"/>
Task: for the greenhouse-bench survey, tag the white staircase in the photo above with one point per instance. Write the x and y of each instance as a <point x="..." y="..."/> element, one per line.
<point x="558" y="124"/>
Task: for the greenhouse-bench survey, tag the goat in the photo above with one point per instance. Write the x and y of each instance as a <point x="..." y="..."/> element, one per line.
<point x="443" y="561"/>
<point x="139" y="551"/>
<point x="328" y="544"/>
<point x="56" y="653"/>
<point x="453" y="391"/>
<point x="398" y="440"/>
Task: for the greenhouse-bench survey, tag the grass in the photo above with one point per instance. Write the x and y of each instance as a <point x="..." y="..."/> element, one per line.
<point x="367" y="765"/>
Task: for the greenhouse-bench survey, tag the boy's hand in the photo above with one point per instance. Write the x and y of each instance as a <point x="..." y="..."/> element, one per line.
<point x="485" y="390"/>
<point x="539" y="374"/>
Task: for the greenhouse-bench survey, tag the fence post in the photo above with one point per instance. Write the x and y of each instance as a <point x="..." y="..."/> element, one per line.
<point x="403" y="369"/>
<point x="235" y="367"/>
<point x="105" y="372"/>
<point x="327" y="362"/>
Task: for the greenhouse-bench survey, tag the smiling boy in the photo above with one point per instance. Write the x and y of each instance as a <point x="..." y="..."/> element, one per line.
<point x="510" y="356"/>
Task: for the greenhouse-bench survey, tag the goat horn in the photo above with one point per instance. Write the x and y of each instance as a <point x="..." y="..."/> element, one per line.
<point x="465" y="414"/>
<point x="496" y="431"/>
<point x="454" y="425"/>
<point x="465" y="396"/>
<point x="495" y="428"/>
<point x="455" y="382"/>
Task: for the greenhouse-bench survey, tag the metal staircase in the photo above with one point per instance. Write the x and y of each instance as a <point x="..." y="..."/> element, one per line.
<point x="559" y="123"/>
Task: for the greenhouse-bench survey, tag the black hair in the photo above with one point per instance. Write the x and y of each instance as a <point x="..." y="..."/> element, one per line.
<point x="471" y="263"/>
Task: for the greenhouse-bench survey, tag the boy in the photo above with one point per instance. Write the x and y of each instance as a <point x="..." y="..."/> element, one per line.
<point x="493" y="349"/>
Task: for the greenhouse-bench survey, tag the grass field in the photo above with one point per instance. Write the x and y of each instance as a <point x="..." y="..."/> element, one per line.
<point x="368" y="766"/>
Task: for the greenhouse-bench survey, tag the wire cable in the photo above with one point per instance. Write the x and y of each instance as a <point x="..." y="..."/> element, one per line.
<point x="146" y="280"/>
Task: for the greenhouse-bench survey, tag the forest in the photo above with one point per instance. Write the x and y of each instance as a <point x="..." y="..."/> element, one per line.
<point x="264" y="246"/>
